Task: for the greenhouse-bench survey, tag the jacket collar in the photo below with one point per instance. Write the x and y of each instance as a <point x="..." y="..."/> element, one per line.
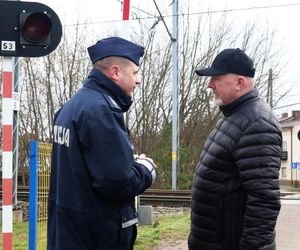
<point x="98" y="81"/>
<point x="230" y="108"/>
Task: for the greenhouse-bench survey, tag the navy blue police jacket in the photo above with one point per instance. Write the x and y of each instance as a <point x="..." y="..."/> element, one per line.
<point x="94" y="178"/>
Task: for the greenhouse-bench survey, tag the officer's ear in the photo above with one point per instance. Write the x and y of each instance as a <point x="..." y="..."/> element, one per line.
<point x="114" y="72"/>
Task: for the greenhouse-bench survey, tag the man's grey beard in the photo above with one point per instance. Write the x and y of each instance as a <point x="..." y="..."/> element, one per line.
<point x="218" y="102"/>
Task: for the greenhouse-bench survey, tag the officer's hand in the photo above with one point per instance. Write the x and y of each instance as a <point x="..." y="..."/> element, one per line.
<point x="143" y="156"/>
<point x="148" y="163"/>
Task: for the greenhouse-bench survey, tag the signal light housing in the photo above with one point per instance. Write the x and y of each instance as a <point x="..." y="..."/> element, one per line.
<point x="28" y="29"/>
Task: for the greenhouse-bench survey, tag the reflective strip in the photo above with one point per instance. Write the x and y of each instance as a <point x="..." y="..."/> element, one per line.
<point x="114" y="103"/>
<point x="150" y="167"/>
<point x="130" y="223"/>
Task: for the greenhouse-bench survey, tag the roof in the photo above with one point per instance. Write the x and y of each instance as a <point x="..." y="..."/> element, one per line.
<point x="290" y="121"/>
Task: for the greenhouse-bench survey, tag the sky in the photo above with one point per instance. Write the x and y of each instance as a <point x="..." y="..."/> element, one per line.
<point x="282" y="15"/>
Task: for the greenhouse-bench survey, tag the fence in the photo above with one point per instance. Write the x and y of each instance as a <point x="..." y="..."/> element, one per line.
<point x="40" y="161"/>
<point x="40" y="166"/>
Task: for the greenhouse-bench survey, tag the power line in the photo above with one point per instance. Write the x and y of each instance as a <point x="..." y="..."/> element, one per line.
<point x="188" y="14"/>
<point x="144" y="11"/>
<point x="244" y="9"/>
<point x="163" y="20"/>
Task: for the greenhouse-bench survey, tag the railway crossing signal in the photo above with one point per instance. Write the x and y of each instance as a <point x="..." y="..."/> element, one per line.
<point x="28" y="29"/>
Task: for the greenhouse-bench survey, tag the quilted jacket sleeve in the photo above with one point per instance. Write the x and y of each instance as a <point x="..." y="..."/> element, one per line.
<point x="258" y="157"/>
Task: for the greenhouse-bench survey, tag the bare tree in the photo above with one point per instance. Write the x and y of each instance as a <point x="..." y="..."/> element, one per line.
<point x="151" y="115"/>
<point x="51" y="81"/>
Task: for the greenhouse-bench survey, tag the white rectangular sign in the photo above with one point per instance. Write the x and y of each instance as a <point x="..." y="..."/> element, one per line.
<point x="16" y="101"/>
<point x="8" y="45"/>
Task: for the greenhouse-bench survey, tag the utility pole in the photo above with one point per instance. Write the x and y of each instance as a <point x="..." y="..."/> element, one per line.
<point x="270" y="89"/>
<point x="175" y="116"/>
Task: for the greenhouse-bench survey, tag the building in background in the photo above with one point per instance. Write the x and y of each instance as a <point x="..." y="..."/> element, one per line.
<point x="290" y="160"/>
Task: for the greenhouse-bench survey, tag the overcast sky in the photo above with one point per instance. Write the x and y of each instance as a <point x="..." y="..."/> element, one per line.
<point x="284" y="15"/>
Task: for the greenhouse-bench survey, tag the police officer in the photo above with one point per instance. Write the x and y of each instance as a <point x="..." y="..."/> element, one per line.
<point x="94" y="175"/>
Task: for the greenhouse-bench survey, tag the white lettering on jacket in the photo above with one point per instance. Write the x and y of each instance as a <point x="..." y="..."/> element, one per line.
<point x="62" y="135"/>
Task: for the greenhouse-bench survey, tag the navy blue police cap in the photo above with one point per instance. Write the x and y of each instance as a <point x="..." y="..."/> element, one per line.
<point x="116" y="46"/>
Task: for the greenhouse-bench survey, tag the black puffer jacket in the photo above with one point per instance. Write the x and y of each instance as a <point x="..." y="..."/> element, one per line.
<point x="235" y="195"/>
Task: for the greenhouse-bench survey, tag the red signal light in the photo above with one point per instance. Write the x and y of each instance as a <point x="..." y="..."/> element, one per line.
<point x="35" y="28"/>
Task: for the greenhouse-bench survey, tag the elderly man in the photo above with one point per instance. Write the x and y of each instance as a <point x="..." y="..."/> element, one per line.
<point x="235" y="194"/>
<point x="94" y="176"/>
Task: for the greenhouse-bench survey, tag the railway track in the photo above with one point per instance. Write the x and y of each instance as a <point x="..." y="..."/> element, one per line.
<point x="163" y="197"/>
<point x="156" y="197"/>
<point x="181" y="198"/>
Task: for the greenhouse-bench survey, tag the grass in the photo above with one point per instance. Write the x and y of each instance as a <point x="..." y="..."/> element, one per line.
<point x="21" y="236"/>
<point x="174" y="226"/>
<point x="164" y="228"/>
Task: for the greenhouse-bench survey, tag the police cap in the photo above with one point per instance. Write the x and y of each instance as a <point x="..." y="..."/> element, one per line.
<point x="116" y="46"/>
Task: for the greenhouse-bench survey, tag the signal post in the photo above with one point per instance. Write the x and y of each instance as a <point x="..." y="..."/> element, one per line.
<point x="27" y="29"/>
